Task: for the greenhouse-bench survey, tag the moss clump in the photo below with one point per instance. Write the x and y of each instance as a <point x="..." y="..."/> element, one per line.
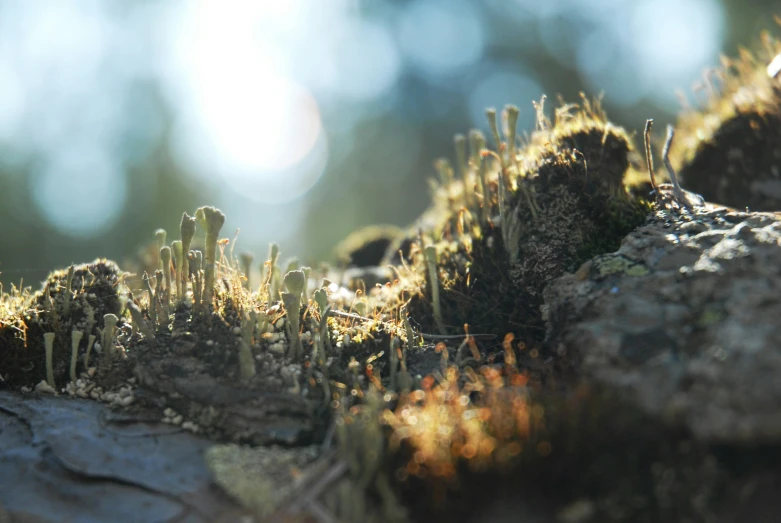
<point x="552" y="203"/>
<point x="366" y="247"/>
<point x="71" y="299"/>
<point x="730" y="151"/>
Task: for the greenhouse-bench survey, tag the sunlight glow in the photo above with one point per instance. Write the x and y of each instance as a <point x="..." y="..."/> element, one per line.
<point x="241" y="118"/>
<point x="81" y="192"/>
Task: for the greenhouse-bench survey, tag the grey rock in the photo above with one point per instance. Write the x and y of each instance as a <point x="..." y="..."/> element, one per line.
<point x="65" y="459"/>
<point x="684" y="321"/>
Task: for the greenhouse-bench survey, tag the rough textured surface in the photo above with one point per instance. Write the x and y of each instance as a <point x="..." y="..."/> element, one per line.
<point x="262" y="478"/>
<point x="64" y="459"/>
<point x="684" y="320"/>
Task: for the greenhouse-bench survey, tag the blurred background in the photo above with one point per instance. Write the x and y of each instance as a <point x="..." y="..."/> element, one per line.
<point x="302" y="120"/>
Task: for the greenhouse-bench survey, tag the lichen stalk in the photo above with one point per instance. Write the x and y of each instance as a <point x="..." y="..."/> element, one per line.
<point x="196" y="258"/>
<point x="477" y="144"/>
<point x="107" y="341"/>
<point x="48" y="342"/>
<point x="165" y="257"/>
<point x="161" y="235"/>
<point x="511" y="113"/>
<point x="431" y="262"/>
<point x="293" y="306"/>
<point x="76" y="336"/>
<point x="178" y="255"/>
<point x="162" y="311"/>
<point x="90" y="342"/>
<point x="211" y="220"/>
<point x="187" y="232"/>
<point x="152" y="298"/>
<point x="266" y="282"/>
<point x="138" y="320"/>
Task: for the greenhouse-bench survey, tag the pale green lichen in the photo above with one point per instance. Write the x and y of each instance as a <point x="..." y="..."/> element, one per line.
<point x="608" y="264"/>
<point x="211" y="220"/>
<point x="187" y="233"/>
<point x="178" y="254"/>
<point x="76" y="336"/>
<point x="107" y="341"/>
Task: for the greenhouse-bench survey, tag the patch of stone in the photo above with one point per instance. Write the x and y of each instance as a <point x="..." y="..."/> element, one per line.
<point x="261" y="478"/>
<point x="683" y="320"/>
<point x="69" y="459"/>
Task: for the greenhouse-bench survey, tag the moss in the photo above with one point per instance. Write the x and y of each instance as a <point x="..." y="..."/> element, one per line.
<point x="366" y="247"/>
<point x="94" y="292"/>
<point x="559" y="201"/>
<point x="730" y="150"/>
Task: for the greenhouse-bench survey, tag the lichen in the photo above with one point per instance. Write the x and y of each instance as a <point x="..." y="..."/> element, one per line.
<point x="76" y="298"/>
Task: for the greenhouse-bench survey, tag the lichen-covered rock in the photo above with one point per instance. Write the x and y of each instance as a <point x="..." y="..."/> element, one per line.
<point x="261" y="478"/>
<point x="683" y="319"/>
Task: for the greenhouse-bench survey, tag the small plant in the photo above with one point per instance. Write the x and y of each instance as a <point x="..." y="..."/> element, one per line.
<point x="295" y="282"/>
<point x="161" y="235"/>
<point x="107" y="340"/>
<point x="48" y="340"/>
<point x="431" y="264"/>
<point x="165" y="257"/>
<point x="139" y="322"/>
<point x="76" y="336"/>
<point x="178" y="256"/>
<point x="187" y="232"/>
<point x="211" y="220"/>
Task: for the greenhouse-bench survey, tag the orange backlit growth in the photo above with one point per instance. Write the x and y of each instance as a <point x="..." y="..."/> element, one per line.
<point x="480" y="418"/>
<point x="509" y="354"/>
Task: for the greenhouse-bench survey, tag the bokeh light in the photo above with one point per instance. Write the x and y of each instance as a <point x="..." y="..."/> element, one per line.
<point x="305" y="120"/>
<point x="440" y="38"/>
<point x="80" y="192"/>
<point x="366" y="53"/>
<point x="687" y="35"/>
<point x="238" y="116"/>
<point x="500" y="86"/>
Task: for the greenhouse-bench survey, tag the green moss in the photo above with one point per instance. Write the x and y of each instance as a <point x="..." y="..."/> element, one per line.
<point x="730" y="150"/>
<point x="366" y="247"/>
<point x="557" y="202"/>
<point x="56" y="309"/>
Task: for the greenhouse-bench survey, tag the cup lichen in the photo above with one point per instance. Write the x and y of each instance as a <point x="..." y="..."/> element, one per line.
<point x="211" y="220"/>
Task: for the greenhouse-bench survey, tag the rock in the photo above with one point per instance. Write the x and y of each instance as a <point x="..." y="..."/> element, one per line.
<point x="66" y="459"/>
<point x="683" y="322"/>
